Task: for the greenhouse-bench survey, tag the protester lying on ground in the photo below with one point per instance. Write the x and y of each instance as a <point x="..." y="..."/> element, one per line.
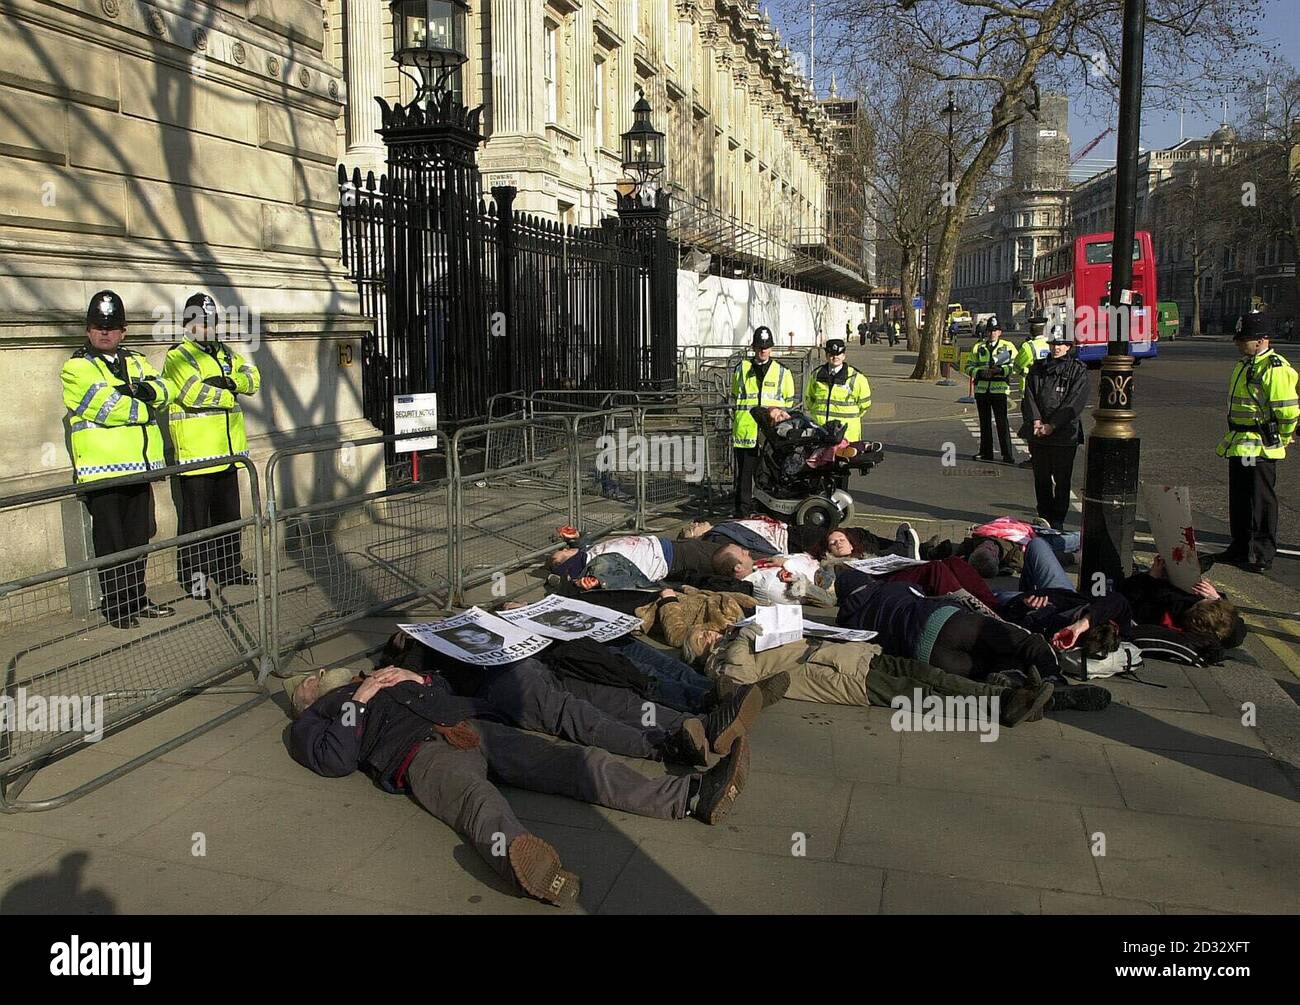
<point x="1204" y="611"/>
<point x="798" y="442"/>
<point x="848" y="673"/>
<point x="997" y="547"/>
<point x="645" y="562"/>
<point x="673" y="613"/>
<point x="411" y="734"/>
<point x="623" y="663"/>
<point x="766" y="536"/>
<point x="793" y="579"/>
<point x="939" y="631"/>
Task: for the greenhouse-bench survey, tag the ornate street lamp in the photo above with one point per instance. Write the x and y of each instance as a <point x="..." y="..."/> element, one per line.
<point x="643" y="152"/>
<point x="429" y="37"/>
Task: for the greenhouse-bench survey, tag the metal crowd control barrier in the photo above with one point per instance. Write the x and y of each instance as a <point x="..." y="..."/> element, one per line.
<point x="62" y="658"/>
<point x="386" y="541"/>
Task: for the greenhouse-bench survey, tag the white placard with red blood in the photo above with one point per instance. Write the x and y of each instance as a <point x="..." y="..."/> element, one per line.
<point x="1169" y="510"/>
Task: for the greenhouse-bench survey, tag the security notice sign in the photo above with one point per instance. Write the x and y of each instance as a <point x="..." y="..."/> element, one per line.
<point x="415" y="413"/>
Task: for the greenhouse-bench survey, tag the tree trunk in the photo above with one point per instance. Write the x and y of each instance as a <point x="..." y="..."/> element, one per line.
<point x="1196" y="299"/>
<point x="905" y="288"/>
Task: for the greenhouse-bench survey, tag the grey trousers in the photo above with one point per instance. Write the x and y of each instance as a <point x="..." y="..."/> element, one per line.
<point x="532" y="697"/>
<point x="456" y="786"/>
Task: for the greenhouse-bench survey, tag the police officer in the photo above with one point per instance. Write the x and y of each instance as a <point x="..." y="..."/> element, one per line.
<point x="1262" y="413"/>
<point x="206" y="423"/>
<point x="112" y="394"/>
<point x="758" y="381"/>
<point x="1056" y="394"/>
<point x="990" y="363"/>
<point x="838" y="393"/>
<point x="1033" y="348"/>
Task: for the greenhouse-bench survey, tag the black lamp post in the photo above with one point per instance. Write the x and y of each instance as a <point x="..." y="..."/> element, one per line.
<point x="1113" y="452"/>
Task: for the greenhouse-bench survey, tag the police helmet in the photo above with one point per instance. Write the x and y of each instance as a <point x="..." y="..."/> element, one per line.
<point x="763" y="338"/>
<point x="106" y="312"/>
<point x="834" y="346"/>
<point x="1252" y="325"/>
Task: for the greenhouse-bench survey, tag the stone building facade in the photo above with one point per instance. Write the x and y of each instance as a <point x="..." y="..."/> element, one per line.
<point x="746" y="137"/>
<point x="995" y="257"/>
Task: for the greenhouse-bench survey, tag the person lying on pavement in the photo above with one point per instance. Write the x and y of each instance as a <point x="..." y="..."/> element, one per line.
<point x="411" y="734"/>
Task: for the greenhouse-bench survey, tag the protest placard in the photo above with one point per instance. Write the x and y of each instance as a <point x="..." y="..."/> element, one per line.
<point x="566" y="618"/>
<point x="476" y="636"/>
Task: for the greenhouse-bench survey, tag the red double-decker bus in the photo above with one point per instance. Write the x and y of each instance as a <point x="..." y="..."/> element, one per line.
<point x="1072" y="286"/>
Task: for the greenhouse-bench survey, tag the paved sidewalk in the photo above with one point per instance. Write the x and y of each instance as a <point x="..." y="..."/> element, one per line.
<point x="1165" y="802"/>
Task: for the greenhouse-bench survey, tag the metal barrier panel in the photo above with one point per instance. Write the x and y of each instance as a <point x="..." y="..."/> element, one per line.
<point x="507" y="509"/>
<point x="606" y="498"/>
<point x="75" y="652"/>
<point x="381" y="542"/>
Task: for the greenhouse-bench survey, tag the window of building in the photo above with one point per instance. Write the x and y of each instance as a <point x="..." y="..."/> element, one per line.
<point x="550" y="70"/>
<point x="598" y="97"/>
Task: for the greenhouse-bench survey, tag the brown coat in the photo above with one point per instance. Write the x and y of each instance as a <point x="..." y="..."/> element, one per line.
<point x="669" y="619"/>
<point x="832" y="672"/>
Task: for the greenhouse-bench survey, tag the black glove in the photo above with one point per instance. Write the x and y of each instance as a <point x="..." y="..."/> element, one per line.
<point x="226" y="383"/>
<point x="142" y="391"/>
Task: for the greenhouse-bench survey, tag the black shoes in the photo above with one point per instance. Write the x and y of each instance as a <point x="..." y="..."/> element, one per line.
<point x="773" y="688"/>
<point x="536" y="866"/>
<point x="689" y="745"/>
<point x="1024" y="704"/>
<point x="152" y="610"/>
<point x="909" y="540"/>
<point x="733" y="717"/>
<point x="1079" y="698"/>
<point x="719" y="787"/>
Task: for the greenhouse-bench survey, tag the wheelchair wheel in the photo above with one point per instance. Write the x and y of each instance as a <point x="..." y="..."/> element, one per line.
<point x="817" y="512"/>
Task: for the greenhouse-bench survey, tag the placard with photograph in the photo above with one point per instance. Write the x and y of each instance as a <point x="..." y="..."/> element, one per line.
<point x="566" y="618"/>
<point x="477" y="636"/>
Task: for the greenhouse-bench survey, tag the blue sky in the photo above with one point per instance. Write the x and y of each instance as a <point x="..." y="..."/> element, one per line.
<point x="1280" y="28"/>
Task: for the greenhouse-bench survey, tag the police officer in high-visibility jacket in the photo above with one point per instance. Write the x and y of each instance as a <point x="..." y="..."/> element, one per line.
<point x="758" y="381"/>
<point x="1262" y="411"/>
<point x="206" y="423"/>
<point x="112" y="395"/>
<point x="837" y="392"/>
<point x="1033" y="348"/>
<point x="990" y="363"/>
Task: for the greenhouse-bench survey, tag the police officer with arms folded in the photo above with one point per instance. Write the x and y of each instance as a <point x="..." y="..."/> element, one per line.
<point x="206" y="423"/>
<point x="837" y="392"/>
<point x="990" y="363"/>
<point x="758" y="381"/>
<point x="1056" y="394"/>
<point x="111" y="394"/>
<point x="1262" y="411"/>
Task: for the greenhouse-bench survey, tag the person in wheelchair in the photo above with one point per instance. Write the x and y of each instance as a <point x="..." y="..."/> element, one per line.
<point x="799" y="443"/>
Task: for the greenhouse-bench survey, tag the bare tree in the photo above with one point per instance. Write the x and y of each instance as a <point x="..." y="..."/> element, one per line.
<point x="999" y="53"/>
<point x="1267" y="177"/>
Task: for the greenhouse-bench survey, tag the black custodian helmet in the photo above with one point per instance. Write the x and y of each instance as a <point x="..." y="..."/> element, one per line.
<point x="1252" y="325"/>
<point x="763" y="338"/>
<point x="106" y="311"/>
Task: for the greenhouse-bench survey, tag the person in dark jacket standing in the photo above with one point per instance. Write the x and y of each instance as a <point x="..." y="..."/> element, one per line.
<point x="411" y="734"/>
<point x="1056" y="393"/>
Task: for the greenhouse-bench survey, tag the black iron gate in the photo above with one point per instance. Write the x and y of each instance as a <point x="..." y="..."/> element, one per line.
<point x="472" y="298"/>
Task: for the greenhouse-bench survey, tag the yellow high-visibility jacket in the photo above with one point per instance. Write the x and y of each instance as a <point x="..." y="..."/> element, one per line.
<point x="111" y="434"/>
<point x="1262" y="389"/>
<point x="777" y="389"/>
<point x="1031" y="350"/>
<point x="206" y="422"/>
<point x="844" y="397"/>
<point x="1001" y="353"/>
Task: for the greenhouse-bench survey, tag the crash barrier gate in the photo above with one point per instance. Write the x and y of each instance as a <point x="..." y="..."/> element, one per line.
<point x="682" y="459"/>
<point x="343" y="536"/>
<point x="70" y="677"/>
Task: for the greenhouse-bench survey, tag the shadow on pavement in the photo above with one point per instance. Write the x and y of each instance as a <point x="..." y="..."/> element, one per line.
<point x="58" y="892"/>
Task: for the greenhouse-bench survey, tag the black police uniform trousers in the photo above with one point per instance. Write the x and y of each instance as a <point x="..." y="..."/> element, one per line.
<point x="208" y="500"/>
<point x="1252" y="510"/>
<point x="994" y="407"/>
<point x="121" y="518"/>
<point x="1053" y="469"/>
<point x="746" y="465"/>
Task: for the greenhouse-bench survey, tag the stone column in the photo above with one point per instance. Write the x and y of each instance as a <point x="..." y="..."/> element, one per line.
<point x="364" y="49"/>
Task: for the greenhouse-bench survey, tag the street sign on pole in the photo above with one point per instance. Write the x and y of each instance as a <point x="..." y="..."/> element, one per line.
<point x="918" y="303"/>
<point x="414" y="413"/>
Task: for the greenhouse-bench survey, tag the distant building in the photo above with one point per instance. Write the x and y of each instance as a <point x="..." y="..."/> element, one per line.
<point x="994" y="270"/>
